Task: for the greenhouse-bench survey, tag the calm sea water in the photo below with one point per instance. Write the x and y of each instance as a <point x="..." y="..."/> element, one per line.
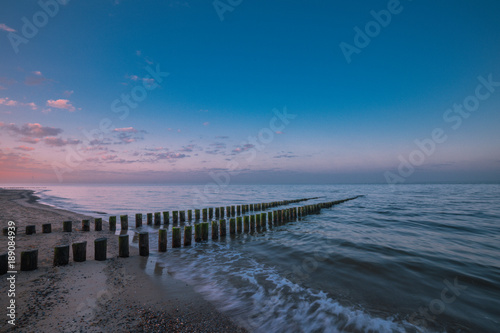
<point x="414" y="258"/>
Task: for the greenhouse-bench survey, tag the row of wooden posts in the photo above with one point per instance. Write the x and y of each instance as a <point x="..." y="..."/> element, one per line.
<point x="177" y="216"/>
<point x="246" y="224"/>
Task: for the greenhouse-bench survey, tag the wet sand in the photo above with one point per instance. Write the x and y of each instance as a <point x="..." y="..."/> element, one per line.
<point x="115" y="295"/>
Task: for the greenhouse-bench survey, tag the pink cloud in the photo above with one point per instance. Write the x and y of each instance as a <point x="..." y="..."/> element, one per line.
<point x="58" y="142"/>
<point x="10" y="102"/>
<point x="125" y="130"/>
<point x="37" y="73"/>
<point x="61" y="104"/>
<point x="6" y="28"/>
<point x="68" y="93"/>
<point x="24" y="148"/>
<point x="34" y="130"/>
<point x="206" y="123"/>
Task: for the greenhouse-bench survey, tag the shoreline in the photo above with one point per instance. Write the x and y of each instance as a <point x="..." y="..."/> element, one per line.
<point x="93" y="296"/>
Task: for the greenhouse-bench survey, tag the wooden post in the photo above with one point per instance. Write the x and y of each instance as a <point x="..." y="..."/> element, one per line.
<point x="98" y="224"/>
<point x="215" y="230"/>
<point x="138" y="220"/>
<point x="233" y="211"/>
<point x="124" y="222"/>
<point x="221" y="212"/>
<point x="182" y="216"/>
<point x="176" y="237"/>
<point x="238" y="210"/>
<point x="210" y="212"/>
<point x="175" y="217"/>
<point x="222" y="226"/>
<point x="112" y="223"/>
<point x="79" y="251"/>
<point x="188" y="235"/>
<point x="46" y="228"/>
<point x="4" y="264"/>
<point x="29" y="260"/>
<point x="190" y="215"/>
<point x="251" y="207"/>
<point x="85" y="225"/>
<point x="61" y="255"/>
<point x="166" y="218"/>
<point x="157" y="218"/>
<point x="239" y="224"/>
<point x="197" y="232"/>
<point x="263" y="220"/>
<point x="246" y="223"/>
<point x="144" y="244"/>
<point x="217" y="212"/>
<point x="252" y="223"/>
<point x="204" y="231"/>
<point x="243" y="209"/>
<point x="228" y="211"/>
<point x="100" y="249"/>
<point x="30" y="229"/>
<point x="149" y="217"/>
<point x="257" y="221"/>
<point x="232" y="226"/>
<point x="123" y="247"/>
<point x="162" y="240"/>
<point x="270" y="219"/>
<point x="197" y="214"/>
<point x="205" y="214"/>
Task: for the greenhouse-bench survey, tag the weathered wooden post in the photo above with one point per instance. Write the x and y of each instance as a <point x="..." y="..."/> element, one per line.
<point x="197" y="232"/>
<point x="85" y="225"/>
<point x="239" y="224"/>
<point x="232" y="226"/>
<point x="124" y="222"/>
<point x="197" y="214"/>
<point x="176" y="237"/>
<point x="149" y="218"/>
<point x="233" y="211"/>
<point x="175" y="217"/>
<point x="215" y="230"/>
<point x="182" y="216"/>
<point x="222" y="226"/>
<point x="112" y="223"/>
<point x="210" y="212"/>
<point x="46" y="228"/>
<point x="190" y="215"/>
<point x="222" y="212"/>
<point x="30" y="229"/>
<point x="61" y="255"/>
<point x="252" y="223"/>
<point x="238" y="210"/>
<point x="204" y="231"/>
<point x="243" y="209"/>
<point x="162" y="240"/>
<point x="98" y="224"/>
<point x="29" y="260"/>
<point x="217" y="212"/>
<point x="257" y="221"/>
<point x="100" y="249"/>
<point x="123" y="246"/>
<point x="166" y="218"/>
<point x="228" y="211"/>
<point x="144" y="244"/>
<point x="251" y="207"/>
<point x="188" y="235"/>
<point x="157" y="218"/>
<point x="79" y="251"/>
<point x="246" y="223"/>
<point x="138" y="220"/>
<point x="270" y="219"/>
<point x="4" y="264"/>
<point x="205" y="214"/>
<point x="263" y="220"/>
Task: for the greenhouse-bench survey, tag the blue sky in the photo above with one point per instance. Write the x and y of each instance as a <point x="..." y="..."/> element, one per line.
<point x="355" y="121"/>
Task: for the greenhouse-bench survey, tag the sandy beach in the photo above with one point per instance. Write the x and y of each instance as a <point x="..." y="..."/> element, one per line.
<point x="115" y="295"/>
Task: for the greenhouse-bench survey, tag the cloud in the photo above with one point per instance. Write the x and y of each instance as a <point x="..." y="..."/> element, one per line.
<point x="61" y="104"/>
<point x="241" y="149"/>
<point x="285" y="156"/>
<point x="24" y="148"/>
<point x="206" y="123"/>
<point x="10" y="102"/>
<point x="37" y="73"/>
<point x="59" y="142"/>
<point x="2" y="88"/>
<point x="126" y="130"/>
<point x="6" y="28"/>
<point x="279" y="132"/>
<point x="147" y="80"/>
<point x="222" y="137"/>
<point x="30" y="140"/>
<point x="68" y="92"/>
<point x="166" y="156"/>
<point x="216" y="148"/>
<point x="35" y="80"/>
<point x="34" y="130"/>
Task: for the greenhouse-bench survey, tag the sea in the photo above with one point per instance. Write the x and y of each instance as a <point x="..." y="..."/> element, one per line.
<point x="406" y="258"/>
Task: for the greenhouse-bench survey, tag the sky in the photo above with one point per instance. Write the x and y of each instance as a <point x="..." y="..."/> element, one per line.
<point x="237" y="91"/>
